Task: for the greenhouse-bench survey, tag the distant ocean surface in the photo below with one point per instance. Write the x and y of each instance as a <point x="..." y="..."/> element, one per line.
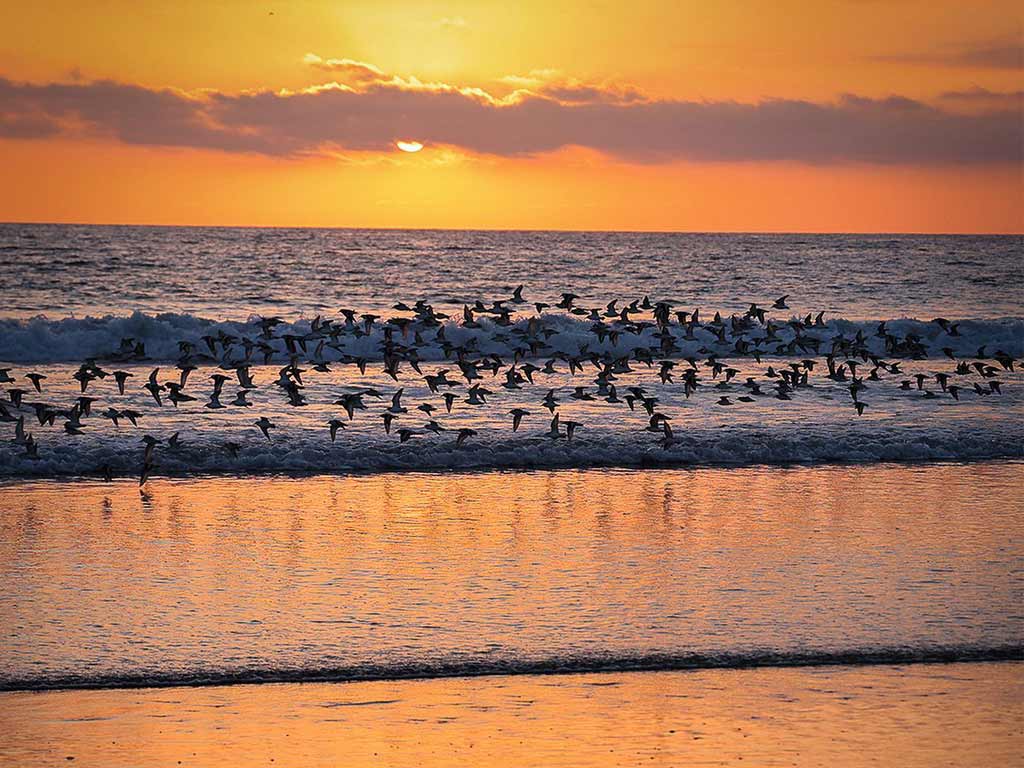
<point x="229" y="274"/>
<point x="75" y="292"/>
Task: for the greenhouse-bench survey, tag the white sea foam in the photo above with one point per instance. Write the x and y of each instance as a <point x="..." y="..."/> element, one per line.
<point x="71" y="339"/>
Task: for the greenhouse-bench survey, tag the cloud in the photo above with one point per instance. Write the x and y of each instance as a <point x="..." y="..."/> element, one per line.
<point x="556" y="85"/>
<point x="357" y="70"/>
<point x="534" y="78"/>
<point x="979" y="95"/>
<point x="130" y="113"/>
<point x="1000" y="54"/>
<point x="583" y="93"/>
<point x="1010" y="56"/>
<point x="27" y="127"/>
<point x="372" y="109"/>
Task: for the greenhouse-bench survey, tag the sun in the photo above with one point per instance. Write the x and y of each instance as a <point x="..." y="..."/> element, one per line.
<point x="409" y="146"/>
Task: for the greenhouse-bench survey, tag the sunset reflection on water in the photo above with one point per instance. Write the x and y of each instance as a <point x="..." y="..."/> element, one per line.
<point x="215" y="575"/>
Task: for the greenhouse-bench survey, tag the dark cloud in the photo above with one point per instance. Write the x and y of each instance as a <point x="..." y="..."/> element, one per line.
<point x="584" y="93"/>
<point x="27" y="127"/>
<point x="996" y="55"/>
<point x="980" y="95"/>
<point x="1010" y="56"/>
<point x="129" y="113"/>
<point x="382" y="109"/>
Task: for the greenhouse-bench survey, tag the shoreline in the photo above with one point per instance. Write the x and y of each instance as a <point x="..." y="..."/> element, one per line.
<point x="8" y="480"/>
<point x="458" y="670"/>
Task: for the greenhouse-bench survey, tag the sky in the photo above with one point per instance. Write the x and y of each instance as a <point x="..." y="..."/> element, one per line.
<point x="734" y="115"/>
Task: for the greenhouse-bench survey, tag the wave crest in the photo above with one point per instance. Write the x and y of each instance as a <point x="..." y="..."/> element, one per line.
<point x="306" y="452"/>
<point x="44" y="340"/>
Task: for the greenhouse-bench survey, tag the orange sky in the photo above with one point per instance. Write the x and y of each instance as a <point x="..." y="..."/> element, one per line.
<point x="517" y="151"/>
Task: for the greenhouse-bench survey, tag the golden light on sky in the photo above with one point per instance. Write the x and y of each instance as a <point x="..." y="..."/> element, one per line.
<point x="791" y="116"/>
<point x="409" y="146"/>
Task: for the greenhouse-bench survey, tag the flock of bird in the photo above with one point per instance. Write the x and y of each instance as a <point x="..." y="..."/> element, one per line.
<point x="640" y="333"/>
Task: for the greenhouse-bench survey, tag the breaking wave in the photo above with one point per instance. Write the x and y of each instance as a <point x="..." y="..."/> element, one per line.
<point x="309" y="452"/>
<point x="71" y="339"/>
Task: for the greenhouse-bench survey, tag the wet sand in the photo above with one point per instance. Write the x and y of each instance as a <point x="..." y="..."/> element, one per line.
<point x="918" y="715"/>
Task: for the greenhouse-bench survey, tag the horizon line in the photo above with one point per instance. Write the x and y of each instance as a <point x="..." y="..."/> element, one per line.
<point x="901" y="233"/>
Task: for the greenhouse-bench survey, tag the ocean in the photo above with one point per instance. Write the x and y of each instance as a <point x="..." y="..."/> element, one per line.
<point x="226" y="273"/>
<point x="772" y="524"/>
<point x="76" y="293"/>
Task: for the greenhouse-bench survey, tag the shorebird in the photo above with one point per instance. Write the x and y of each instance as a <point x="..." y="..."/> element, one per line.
<point x="396" y="403"/>
<point x="153" y="386"/>
<point x="150" y="443"/>
<point x="335" y="425"/>
<point x="121" y="377"/>
<point x="517" y="417"/>
<point x="602" y="353"/>
<point x="570" y="429"/>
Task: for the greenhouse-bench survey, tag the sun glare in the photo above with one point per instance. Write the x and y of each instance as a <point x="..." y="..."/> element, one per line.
<point x="409" y="146"/>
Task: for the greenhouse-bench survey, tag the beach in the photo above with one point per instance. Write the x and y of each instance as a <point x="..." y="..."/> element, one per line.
<point x="921" y="715"/>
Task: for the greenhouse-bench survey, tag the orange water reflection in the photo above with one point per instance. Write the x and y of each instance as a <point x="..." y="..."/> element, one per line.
<point x="214" y="574"/>
<point x="961" y="714"/>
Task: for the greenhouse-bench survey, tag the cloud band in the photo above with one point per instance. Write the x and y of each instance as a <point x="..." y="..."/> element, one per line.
<point x="372" y="111"/>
